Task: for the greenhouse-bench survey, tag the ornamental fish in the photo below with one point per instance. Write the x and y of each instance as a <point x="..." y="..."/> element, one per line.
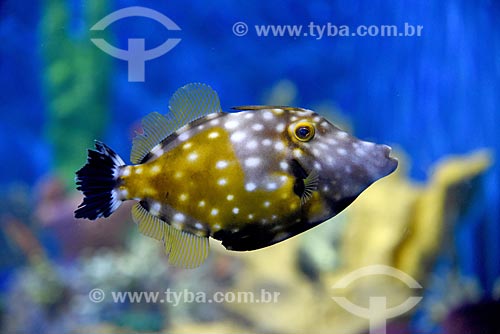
<point x="249" y="178"/>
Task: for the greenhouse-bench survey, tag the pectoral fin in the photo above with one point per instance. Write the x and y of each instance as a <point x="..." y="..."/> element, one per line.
<point x="305" y="183"/>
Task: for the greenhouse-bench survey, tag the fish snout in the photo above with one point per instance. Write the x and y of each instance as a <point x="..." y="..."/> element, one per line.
<point x="382" y="163"/>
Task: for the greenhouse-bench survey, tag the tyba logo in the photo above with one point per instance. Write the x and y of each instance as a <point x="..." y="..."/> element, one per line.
<point x="136" y="55"/>
<point x="377" y="312"/>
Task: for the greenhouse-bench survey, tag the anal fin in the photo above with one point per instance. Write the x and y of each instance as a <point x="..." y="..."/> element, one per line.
<point x="184" y="249"/>
<point x="148" y="224"/>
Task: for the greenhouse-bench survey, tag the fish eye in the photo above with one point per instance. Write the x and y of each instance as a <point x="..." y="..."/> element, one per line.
<point x="304" y="131"/>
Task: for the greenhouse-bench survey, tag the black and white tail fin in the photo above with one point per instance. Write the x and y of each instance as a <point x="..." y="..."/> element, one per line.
<point x="98" y="180"/>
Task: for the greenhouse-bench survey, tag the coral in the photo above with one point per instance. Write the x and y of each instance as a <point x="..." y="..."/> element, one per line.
<point x="437" y="210"/>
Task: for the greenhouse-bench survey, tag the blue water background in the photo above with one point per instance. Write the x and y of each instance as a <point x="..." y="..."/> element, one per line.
<point x="431" y="96"/>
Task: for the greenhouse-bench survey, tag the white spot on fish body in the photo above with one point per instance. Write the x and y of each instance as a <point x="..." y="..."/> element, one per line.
<point x="192" y="156"/>
<point x="257" y="127"/>
<point x="213" y="135"/>
<point x="126" y="171"/>
<point x="267" y="115"/>
<point x="236" y="210"/>
<point x="332" y="141"/>
<point x="238" y="136"/>
<point x="155" y="209"/>
<point x="214" y="212"/>
<point x="252" y="162"/>
<point x="341" y="151"/>
<point x="214" y="122"/>
<point x="221" y="164"/>
<point x="297" y="153"/>
<point x="252" y="144"/>
<point x="267" y="142"/>
<point x="280" y="127"/>
<point x="249" y="115"/>
<point x="272" y="186"/>
<point x="360" y="152"/>
<point x="198" y="226"/>
<point x="323" y="146"/>
<point x="232" y="124"/>
<point x="158" y="152"/>
<point x="279" y="146"/>
<point x="250" y="186"/>
<point x="155" y="169"/>
<point x="230" y="197"/>
<point x="179" y="217"/>
<point x="183" y="136"/>
<point x="222" y="182"/>
<point x="342" y="135"/>
<point x="284" y="165"/>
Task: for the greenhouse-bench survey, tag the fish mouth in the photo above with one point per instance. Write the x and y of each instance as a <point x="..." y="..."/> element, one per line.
<point x="392" y="162"/>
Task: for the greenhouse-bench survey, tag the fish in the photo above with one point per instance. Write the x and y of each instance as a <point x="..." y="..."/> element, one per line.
<point x="249" y="178"/>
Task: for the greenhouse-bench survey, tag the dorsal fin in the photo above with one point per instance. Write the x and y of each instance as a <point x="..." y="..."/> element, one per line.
<point x="188" y="103"/>
<point x="193" y="101"/>
<point x="156" y="127"/>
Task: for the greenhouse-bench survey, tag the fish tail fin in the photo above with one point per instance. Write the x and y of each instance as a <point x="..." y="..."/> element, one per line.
<point x="98" y="180"/>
